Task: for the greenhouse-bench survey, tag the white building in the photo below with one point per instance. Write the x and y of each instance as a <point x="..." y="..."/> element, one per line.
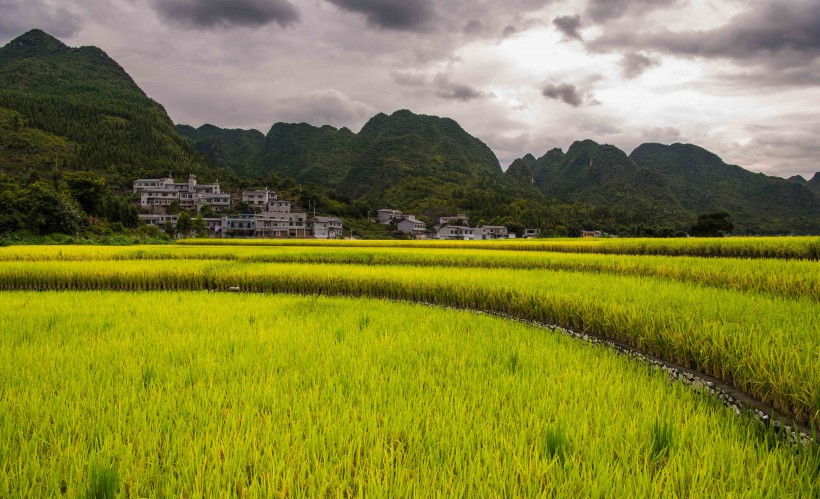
<point x="219" y="202"/>
<point x="532" y="233"/>
<point x="455" y="232"/>
<point x="412" y="226"/>
<point x="282" y="225"/>
<point x="327" y="227"/>
<point x="259" y="198"/>
<point x="278" y="206"/>
<point x="162" y="192"/>
<point x="491" y="232"/>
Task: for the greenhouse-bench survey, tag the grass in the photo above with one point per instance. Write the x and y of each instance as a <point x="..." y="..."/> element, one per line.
<point x="803" y="247"/>
<point x="764" y="345"/>
<point x="790" y="278"/>
<point x="204" y="394"/>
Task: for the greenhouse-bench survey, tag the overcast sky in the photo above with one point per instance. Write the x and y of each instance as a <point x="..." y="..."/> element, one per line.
<point x="741" y="78"/>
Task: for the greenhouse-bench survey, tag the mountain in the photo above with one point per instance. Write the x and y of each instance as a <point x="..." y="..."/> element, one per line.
<point x="388" y="151"/>
<point x="85" y="98"/>
<point x="603" y="175"/>
<point x="520" y="170"/>
<point x="403" y="159"/>
<point x="545" y="167"/>
<point x="703" y="183"/>
<point x="233" y="149"/>
<point x="814" y="184"/>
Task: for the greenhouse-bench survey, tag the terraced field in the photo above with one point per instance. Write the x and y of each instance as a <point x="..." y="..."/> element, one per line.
<point x="121" y="369"/>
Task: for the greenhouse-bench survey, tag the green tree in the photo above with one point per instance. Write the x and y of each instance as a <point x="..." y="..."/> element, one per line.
<point x="200" y="226"/>
<point x="49" y="211"/>
<point x="713" y="225"/>
<point x="88" y="188"/>
<point x="174" y="207"/>
<point x="207" y="211"/>
<point x="184" y="224"/>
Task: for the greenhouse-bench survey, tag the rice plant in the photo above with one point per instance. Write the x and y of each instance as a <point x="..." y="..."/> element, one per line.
<point x="418" y="402"/>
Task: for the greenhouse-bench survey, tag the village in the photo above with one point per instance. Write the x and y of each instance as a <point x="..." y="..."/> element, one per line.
<point x="268" y="216"/>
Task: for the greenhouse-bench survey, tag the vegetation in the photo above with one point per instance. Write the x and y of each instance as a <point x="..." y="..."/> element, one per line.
<point x="760" y="343"/>
<point x="784" y="278"/>
<point x="713" y="225"/>
<point x="188" y="394"/>
<point x="74" y="109"/>
<point x="742" y="247"/>
<point x="234" y="150"/>
<point x="78" y="106"/>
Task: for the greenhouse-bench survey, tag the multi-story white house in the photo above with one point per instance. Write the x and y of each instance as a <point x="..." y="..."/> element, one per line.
<point x="278" y="206"/>
<point x="259" y="198"/>
<point x="219" y="202"/>
<point x="282" y="225"/>
<point x="327" y="227"/>
<point x="455" y="232"/>
<point x="531" y="233"/>
<point x="491" y="232"/>
<point x="412" y="226"/>
<point x="162" y="192"/>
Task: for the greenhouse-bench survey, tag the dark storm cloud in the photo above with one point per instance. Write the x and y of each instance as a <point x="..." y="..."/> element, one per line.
<point x="447" y="89"/>
<point x="777" y="33"/>
<point x="569" y="26"/>
<point x="401" y="15"/>
<point x="605" y="10"/>
<point x="211" y="13"/>
<point x="564" y="92"/>
<point x="634" y="64"/>
<point x="19" y="16"/>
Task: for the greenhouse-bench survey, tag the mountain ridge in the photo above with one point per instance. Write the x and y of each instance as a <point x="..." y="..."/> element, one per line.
<point x="78" y="108"/>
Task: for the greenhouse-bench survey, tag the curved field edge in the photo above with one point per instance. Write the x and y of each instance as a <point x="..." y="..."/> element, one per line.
<point x="790" y="278"/>
<point x="764" y="346"/>
<point x="796" y="247"/>
<point x="199" y="393"/>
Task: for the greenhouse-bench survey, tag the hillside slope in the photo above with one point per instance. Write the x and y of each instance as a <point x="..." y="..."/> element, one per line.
<point x="703" y="183"/>
<point x="85" y="97"/>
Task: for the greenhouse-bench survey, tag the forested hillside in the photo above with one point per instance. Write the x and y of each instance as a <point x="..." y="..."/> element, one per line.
<point x="85" y="97"/>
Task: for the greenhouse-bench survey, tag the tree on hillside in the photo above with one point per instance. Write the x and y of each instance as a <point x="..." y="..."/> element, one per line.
<point x="713" y="225"/>
<point x="88" y="188"/>
<point x="184" y="224"/>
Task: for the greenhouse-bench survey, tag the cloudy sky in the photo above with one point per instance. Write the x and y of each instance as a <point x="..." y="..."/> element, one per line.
<point x="739" y="77"/>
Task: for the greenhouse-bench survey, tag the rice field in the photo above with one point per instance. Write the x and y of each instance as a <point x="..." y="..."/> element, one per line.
<point x="793" y="278"/>
<point x="128" y="370"/>
<point x="202" y="394"/>
<point x="801" y="247"/>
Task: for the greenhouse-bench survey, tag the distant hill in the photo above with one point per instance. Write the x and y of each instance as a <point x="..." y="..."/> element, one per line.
<point x="84" y="97"/>
<point x="814" y="184"/>
<point x="389" y="151"/>
<point x="75" y="109"/>
<point x="232" y="149"/>
<point x="403" y="159"/>
<point x="603" y="175"/>
<point x="675" y="183"/>
<point x="702" y="183"/>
